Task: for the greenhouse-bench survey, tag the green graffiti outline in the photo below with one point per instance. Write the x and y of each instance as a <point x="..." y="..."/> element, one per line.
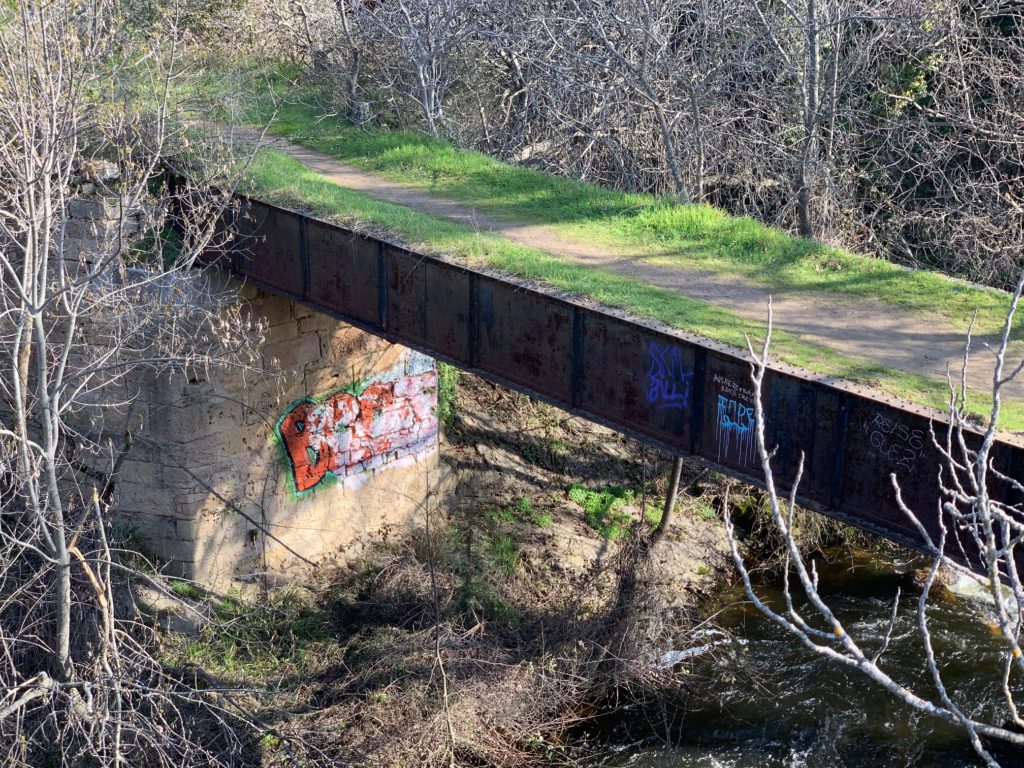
<point x="354" y="388"/>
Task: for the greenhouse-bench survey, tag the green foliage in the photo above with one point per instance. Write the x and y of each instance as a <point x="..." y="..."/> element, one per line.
<point x="504" y="554"/>
<point x="706" y="513"/>
<point x="195" y="16"/>
<point x="270" y="741"/>
<point x="653" y="512"/>
<point x="603" y="509"/>
<point x="477" y="596"/>
<point x="447" y="383"/>
<point x="253" y="638"/>
<point x="519" y="511"/>
<point x="156" y="248"/>
<point x="523" y="508"/>
<point x="484" y="557"/>
<point x="524" y="511"/>
<point x="547" y="452"/>
<point x="504" y="515"/>
<point x="186" y="589"/>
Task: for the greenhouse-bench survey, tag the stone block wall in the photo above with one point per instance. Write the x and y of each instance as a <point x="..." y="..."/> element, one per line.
<point x="95" y="227"/>
<point x="242" y="475"/>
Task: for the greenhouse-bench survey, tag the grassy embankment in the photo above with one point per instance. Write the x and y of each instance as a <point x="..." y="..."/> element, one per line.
<point x="656" y="229"/>
<point x="659" y="231"/>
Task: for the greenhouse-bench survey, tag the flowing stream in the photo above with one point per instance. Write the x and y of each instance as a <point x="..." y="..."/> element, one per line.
<point x="780" y="705"/>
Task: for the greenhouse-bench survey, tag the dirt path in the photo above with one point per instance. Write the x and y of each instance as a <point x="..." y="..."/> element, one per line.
<point x="856" y="327"/>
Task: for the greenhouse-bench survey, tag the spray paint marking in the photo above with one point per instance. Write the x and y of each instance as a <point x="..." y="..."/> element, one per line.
<point x="895" y="441"/>
<point x="735" y="429"/>
<point x="356" y="430"/>
<point x="668" y="379"/>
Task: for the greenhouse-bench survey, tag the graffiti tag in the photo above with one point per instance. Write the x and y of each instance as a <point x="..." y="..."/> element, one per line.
<point x="894" y="441"/>
<point x="352" y="431"/>
<point x="735" y="429"/>
<point x="668" y="379"/>
<point x="733" y="389"/>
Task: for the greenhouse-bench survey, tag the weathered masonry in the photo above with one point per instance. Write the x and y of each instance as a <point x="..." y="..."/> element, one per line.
<point x="684" y="393"/>
<point x="261" y="476"/>
<point x="331" y="437"/>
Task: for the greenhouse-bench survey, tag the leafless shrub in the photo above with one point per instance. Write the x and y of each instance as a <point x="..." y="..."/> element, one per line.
<point x="970" y="520"/>
<point x="97" y="293"/>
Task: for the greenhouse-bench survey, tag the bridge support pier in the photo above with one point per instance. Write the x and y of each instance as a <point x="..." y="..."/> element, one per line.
<point x="262" y="477"/>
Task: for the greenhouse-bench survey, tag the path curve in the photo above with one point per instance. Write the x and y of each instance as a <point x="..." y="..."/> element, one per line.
<point x="862" y="328"/>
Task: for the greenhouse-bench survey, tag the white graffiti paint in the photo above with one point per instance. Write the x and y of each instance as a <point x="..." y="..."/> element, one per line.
<point x="735" y="420"/>
<point x="894" y="441"/>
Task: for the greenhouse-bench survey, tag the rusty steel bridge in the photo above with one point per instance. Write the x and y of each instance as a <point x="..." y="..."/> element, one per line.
<point x="680" y="392"/>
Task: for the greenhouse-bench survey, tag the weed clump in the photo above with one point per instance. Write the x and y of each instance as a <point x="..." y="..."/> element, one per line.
<point x="520" y="511"/>
<point x="447" y="385"/>
<point x="250" y="640"/>
<point x="603" y="510"/>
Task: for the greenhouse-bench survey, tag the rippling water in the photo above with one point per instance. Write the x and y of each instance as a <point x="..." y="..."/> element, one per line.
<point x="788" y="708"/>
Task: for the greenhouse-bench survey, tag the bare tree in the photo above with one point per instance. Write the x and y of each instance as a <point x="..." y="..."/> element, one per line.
<point x="982" y="524"/>
<point x="427" y="35"/>
<point x="822" y="50"/>
<point x="96" y="293"/>
<point x="633" y="44"/>
<point x="947" y="144"/>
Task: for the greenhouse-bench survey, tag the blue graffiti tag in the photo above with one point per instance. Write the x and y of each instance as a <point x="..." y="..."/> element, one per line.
<point x="668" y="380"/>
<point x="735" y="423"/>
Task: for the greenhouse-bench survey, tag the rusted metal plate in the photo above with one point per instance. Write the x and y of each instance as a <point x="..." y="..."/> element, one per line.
<point x="801" y="426"/>
<point x="728" y="415"/>
<point x="882" y="442"/>
<point x="525" y="338"/>
<point x="343" y="269"/>
<point x="1011" y="462"/>
<point x="269" y="246"/>
<point x="636" y="378"/>
<point x="683" y="393"/>
<point x="407" y="294"/>
<point x="448" y="299"/>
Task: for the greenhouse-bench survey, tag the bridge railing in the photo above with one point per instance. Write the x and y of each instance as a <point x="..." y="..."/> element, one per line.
<point x="684" y="393"/>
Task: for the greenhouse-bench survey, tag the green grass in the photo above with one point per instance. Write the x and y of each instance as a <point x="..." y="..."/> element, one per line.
<point x="656" y="230"/>
<point x="520" y="511"/>
<point x="278" y="178"/>
<point x="706" y="513"/>
<point x="186" y="589"/>
<point x="523" y="508"/>
<point x="654" y="512"/>
<point x="543" y="520"/>
<point x="525" y="512"/>
<point x="504" y="554"/>
<point x="603" y="511"/>
<point x="253" y="639"/>
<point x="447" y="384"/>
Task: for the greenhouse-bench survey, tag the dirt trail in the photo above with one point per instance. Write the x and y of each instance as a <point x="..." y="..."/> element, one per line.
<point x="856" y="327"/>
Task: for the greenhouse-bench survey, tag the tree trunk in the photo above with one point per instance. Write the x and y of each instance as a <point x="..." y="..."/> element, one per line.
<point x="670" y="501"/>
<point x="808" y="153"/>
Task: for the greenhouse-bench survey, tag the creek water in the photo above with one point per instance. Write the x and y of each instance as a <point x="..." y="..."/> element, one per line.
<point x="779" y="705"/>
